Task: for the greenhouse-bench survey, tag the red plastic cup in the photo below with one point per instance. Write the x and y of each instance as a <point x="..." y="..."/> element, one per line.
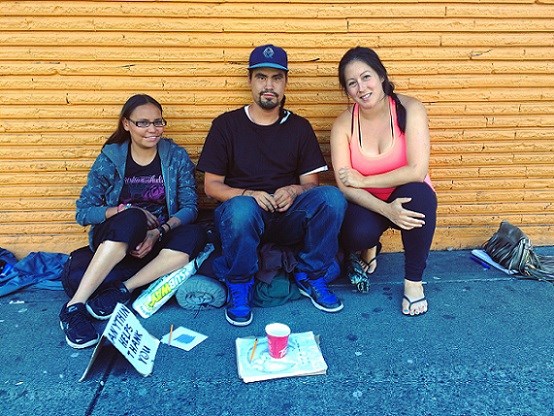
<point x="277" y="339"/>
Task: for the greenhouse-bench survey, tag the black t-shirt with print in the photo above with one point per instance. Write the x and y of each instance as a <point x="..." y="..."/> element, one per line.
<point x="144" y="187"/>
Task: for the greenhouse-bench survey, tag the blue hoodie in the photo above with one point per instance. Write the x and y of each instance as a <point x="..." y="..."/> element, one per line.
<point x="106" y="176"/>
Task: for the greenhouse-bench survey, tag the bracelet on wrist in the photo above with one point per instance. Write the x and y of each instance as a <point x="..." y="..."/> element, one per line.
<point x="161" y="231"/>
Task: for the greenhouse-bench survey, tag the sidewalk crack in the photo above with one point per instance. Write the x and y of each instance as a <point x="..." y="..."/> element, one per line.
<point x="101" y="385"/>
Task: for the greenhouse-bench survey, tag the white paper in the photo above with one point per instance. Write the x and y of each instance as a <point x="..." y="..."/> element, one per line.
<point x="482" y="254"/>
<point x="184" y="338"/>
<point x="303" y="358"/>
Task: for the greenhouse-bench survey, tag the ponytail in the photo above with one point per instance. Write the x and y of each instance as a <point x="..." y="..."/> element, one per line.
<point x="400" y="112"/>
<point x="388" y="88"/>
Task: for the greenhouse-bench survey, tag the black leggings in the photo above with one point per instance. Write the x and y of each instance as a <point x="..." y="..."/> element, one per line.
<point x="362" y="228"/>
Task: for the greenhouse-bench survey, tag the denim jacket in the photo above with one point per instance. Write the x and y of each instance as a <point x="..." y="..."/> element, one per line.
<point x="106" y="176"/>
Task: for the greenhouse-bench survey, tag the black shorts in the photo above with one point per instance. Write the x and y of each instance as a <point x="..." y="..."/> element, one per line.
<point x="130" y="227"/>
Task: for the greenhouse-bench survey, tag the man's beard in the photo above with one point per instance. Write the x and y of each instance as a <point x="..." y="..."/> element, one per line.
<point x="268" y="105"/>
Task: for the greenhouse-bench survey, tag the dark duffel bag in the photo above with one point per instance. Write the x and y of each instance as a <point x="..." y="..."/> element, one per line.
<point x="80" y="259"/>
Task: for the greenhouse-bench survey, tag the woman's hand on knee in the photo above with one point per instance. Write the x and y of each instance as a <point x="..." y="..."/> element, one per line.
<point x="403" y="217"/>
<point x="146" y="245"/>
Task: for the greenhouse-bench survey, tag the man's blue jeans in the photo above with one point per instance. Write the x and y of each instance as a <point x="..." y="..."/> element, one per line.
<point x="311" y="224"/>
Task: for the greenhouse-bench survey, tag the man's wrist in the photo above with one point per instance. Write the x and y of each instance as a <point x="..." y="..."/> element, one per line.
<point x="306" y="187"/>
<point x="298" y="189"/>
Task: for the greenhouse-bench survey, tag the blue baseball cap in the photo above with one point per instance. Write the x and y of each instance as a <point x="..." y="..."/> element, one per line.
<point x="268" y="56"/>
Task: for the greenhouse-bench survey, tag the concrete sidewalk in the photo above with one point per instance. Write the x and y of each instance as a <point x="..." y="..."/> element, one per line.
<point x="484" y="348"/>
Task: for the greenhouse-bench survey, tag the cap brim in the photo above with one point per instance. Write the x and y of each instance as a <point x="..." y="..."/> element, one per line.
<point x="268" y="65"/>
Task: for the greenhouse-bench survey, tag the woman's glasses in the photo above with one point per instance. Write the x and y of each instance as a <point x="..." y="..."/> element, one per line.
<point x="160" y="122"/>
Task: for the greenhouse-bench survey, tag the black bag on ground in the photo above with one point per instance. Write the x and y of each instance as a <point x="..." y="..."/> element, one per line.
<point x="78" y="262"/>
<point x="512" y="249"/>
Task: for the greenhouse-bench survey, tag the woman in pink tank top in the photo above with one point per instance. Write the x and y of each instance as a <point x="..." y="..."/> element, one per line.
<point x="380" y="148"/>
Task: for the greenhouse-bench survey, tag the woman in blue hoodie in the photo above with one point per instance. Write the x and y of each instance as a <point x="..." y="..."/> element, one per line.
<point x="140" y="201"/>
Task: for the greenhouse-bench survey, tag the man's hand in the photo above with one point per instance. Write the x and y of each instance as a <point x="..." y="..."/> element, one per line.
<point x="264" y="200"/>
<point x="285" y="196"/>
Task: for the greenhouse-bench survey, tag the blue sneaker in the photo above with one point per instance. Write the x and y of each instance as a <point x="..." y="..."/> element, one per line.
<point x="238" y="311"/>
<point x="318" y="292"/>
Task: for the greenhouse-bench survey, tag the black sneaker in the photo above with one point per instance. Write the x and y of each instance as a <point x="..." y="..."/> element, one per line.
<point x="102" y="305"/>
<point x="79" y="331"/>
<point x="238" y="311"/>
<point x="318" y="292"/>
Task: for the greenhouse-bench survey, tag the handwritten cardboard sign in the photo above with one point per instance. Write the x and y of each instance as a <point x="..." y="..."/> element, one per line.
<point x="126" y="333"/>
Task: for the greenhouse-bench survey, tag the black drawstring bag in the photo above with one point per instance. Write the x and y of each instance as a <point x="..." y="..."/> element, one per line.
<point x="512" y="249"/>
<point x="78" y="262"/>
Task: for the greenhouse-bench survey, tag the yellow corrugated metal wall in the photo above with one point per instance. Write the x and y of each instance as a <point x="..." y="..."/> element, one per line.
<point x="484" y="70"/>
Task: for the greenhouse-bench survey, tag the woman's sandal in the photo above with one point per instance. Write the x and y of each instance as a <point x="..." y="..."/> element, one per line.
<point x="411" y="303"/>
<point x="358" y="277"/>
<point x="358" y="270"/>
<point x="366" y="265"/>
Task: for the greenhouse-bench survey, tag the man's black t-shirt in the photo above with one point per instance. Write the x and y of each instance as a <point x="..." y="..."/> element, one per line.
<point x="262" y="158"/>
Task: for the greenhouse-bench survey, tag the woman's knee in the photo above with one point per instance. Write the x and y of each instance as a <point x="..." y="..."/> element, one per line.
<point x="178" y="256"/>
<point x="413" y="189"/>
<point x="115" y="248"/>
<point x="132" y="218"/>
<point x="424" y="198"/>
<point x="128" y="226"/>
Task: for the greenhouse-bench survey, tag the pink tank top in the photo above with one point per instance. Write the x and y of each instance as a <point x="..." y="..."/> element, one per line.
<point x="392" y="158"/>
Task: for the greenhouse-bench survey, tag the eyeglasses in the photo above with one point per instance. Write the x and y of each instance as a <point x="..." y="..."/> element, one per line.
<point x="160" y="122"/>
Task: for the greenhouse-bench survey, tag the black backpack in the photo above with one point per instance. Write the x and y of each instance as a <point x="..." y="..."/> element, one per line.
<point x="78" y="262"/>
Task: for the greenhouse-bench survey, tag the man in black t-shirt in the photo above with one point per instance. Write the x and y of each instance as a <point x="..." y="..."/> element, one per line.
<point x="262" y="163"/>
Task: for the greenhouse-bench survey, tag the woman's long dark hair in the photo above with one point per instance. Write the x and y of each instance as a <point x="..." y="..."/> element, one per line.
<point x="370" y="57"/>
<point x="120" y="135"/>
